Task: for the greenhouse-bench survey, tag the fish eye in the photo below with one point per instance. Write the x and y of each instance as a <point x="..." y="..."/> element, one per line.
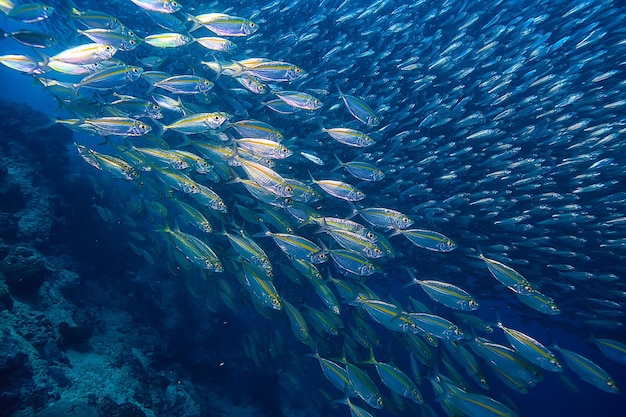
<point x="379" y="401"/>
<point x="370" y="235"/>
<point x="289" y="189"/>
<point x="135" y="70"/>
<point x="132" y="41"/>
<point x="108" y="47"/>
<point x="251" y="24"/>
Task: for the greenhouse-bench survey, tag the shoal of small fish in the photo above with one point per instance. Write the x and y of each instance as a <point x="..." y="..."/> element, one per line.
<point x="381" y="167"/>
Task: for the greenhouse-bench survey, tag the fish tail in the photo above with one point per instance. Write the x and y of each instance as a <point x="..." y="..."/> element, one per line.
<point x="339" y="163"/>
<point x="338" y="89"/>
<point x="265" y="232"/>
<point x="499" y="320"/>
<point x="413" y="281"/>
<point x="315" y="354"/>
<point x="196" y="24"/>
<point x="74" y="12"/>
<point x="353" y="211"/>
<point x="160" y="128"/>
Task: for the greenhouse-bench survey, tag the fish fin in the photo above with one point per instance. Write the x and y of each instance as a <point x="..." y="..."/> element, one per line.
<point x="339" y="89"/>
<point x="160" y="128"/>
<point x="265" y="232"/>
<point x="196" y="24"/>
<point x="340" y="164"/>
<point x="353" y="211"/>
<point x="413" y="281"/>
<point x="372" y="360"/>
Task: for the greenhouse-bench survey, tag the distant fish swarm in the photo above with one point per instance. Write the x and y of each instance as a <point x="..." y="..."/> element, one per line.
<point x="298" y="143"/>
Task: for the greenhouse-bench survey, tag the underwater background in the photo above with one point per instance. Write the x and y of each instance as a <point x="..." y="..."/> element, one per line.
<point x="495" y="140"/>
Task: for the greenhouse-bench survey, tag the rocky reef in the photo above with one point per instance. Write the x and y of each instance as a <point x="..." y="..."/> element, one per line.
<point x="79" y="334"/>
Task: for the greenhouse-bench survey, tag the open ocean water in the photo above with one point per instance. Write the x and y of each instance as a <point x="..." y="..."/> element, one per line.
<point x="229" y="208"/>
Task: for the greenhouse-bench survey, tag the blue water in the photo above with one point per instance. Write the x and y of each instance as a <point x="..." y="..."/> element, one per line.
<point x="541" y="191"/>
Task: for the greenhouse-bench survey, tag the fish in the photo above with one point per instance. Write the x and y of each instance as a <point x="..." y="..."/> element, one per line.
<point x="185" y="84"/>
<point x="22" y="63"/>
<point x="350" y="137"/>
<point x="508" y="276"/>
<point x="299" y="99"/>
<point x="122" y="40"/>
<point x="298" y="247"/>
<point x="197" y="123"/>
<point x="168" y="40"/>
<point x="113" y="77"/>
<point x="361" y="170"/>
<point x="118" y="126"/>
<point x="612" y="349"/>
<point x="298" y="323"/>
<point x="359" y="109"/>
<point x="428" y="239"/>
<point x="531" y="349"/>
<point x="396" y="380"/>
<point x="159" y="6"/>
<point x="489" y="137"/>
<point x="334" y="372"/>
<point x="31" y="12"/>
<point x="339" y="189"/>
<point x="364" y="386"/>
<point x="32" y="38"/>
<point x="215" y="43"/>
<point x="84" y="54"/>
<point x="384" y="217"/>
<point x="588" y="371"/>
<point x="194" y="249"/>
<point x="225" y="25"/>
<point x="447" y="294"/>
<point x="262" y="288"/>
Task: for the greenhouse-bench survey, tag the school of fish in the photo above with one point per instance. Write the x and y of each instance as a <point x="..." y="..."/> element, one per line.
<point x="423" y="170"/>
